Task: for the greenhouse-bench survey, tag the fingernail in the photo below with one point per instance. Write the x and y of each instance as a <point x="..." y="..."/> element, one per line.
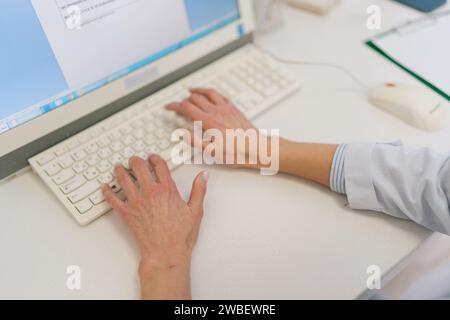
<point x="205" y="176"/>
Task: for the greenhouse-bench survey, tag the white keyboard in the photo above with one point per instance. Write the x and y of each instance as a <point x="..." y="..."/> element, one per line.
<point x="76" y="168"/>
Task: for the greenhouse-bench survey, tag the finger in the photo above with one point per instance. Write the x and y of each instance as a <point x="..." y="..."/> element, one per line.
<point x="162" y="171"/>
<point x="198" y="142"/>
<point x="211" y="94"/>
<point x="127" y="184"/>
<point x="114" y="201"/>
<point x="201" y="101"/>
<point x="198" y="193"/>
<point x="142" y="172"/>
<point x="188" y="110"/>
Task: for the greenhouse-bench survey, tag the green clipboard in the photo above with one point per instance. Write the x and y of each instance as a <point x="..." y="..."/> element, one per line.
<point x="386" y="55"/>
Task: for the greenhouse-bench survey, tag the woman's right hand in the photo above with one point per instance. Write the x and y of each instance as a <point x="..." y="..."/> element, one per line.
<point x="215" y="111"/>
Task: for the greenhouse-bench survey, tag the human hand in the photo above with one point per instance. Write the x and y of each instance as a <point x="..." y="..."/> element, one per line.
<point x="215" y="111"/>
<point x="165" y="227"/>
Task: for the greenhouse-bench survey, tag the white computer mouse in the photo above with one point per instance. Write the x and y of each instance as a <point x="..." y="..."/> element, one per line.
<point x="416" y="106"/>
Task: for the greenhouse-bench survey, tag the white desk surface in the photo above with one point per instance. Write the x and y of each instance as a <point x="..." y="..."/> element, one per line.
<point x="262" y="237"/>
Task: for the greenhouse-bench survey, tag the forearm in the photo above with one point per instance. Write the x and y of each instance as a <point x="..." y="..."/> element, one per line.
<point x="400" y="181"/>
<point x="171" y="283"/>
<point x="307" y="160"/>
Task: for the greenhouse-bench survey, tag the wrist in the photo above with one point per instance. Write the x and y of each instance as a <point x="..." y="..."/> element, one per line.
<point x="161" y="264"/>
<point x="168" y="283"/>
<point x="165" y="282"/>
<point x="279" y="151"/>
<point x="285" y="150"/>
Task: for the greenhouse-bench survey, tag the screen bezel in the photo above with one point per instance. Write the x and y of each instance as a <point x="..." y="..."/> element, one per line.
<point x="19" y="144"/>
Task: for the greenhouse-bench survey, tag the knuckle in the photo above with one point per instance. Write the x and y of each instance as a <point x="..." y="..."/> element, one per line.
<point x="107" y="197"/>
<point x="122" y="178"/>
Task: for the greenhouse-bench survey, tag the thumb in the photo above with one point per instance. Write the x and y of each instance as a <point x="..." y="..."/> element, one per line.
<point x="198" y="193"/>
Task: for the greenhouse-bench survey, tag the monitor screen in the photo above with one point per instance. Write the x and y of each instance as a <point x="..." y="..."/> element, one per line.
<point x="55" y="51"/>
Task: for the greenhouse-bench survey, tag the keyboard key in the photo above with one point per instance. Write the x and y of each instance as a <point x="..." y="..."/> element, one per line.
<point x="63" y="176"/>
<point x="73" y="144"/>
<point x="270" y="91"/>
<point x="73" y="184"/>
<point x="79" y="155"/>
<point x="152" y="150"/>
<point x="84" y="206"/>
<point x="139" y="134"/>
<point x="128" y="114"/>
<point x="142" y="155"/>
<point x="166" y="154"/>
<point x="258" y="87"/>
<point x="83" y="138"/>
<point x="116" y="159"/>
<point x="150" y="140"/>
<point x="117" y="146"/>
<point x="59" y="151"/>
<point x="66" y="162"/>
<point x="84" y="191"/>
<point x="52" y="169"/>
<point x="92" y="160"/>
<point x="139" y="146"/>
<point x="105" y="178"/>
<point x="95" y="132"/>
<point x="97" y="198"/>
<point x="159" y="122"/>
<point x="128" y="152"/>
<point x="91" y="174"/>
<point x="145" y="118"/>
<point x="259" y="76"/>
<point x="118" y="120"/>
<point x="103" y="142"/>
<point x="137" y="124"/>
<point x="104" y="166"/>
<point x="104" y="153"/>
<point x="115" y="136"/>
<point x="45" y="158"/>
<point x="79" y="167"/>
<point x="107" y="125"/>
<point x="161" y="133"/>
<point x="128" y="140"/>
<point x="126" y="130"/>
<point x="164" y="144"/>
<point x="150" y="127"/>
<point x="182" y="122"/>
<point x="184" y="94"/>
<point x="102" y="207"/>
<point x="91" y="148"/>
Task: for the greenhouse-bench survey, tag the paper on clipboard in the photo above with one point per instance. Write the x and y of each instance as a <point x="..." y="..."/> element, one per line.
<point x="422" y="48"/>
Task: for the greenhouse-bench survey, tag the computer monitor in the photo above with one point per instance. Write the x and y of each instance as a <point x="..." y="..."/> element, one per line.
<point x="67" y="64"/>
